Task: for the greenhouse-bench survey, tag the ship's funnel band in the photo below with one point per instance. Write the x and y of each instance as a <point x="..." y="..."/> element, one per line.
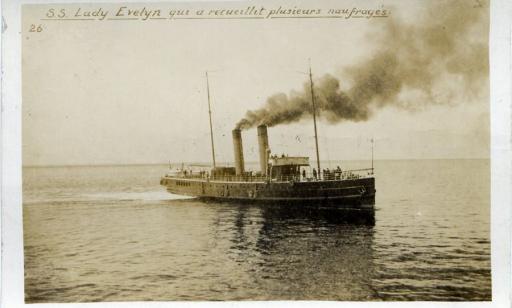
<point x="264" y="148"/>
<point x="238" y="151"/>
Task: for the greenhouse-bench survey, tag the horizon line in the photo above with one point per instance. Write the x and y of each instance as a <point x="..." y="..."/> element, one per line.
<point x="208" y="164"/>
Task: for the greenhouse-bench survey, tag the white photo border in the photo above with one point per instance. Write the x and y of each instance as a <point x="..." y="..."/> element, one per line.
<point x="11" y="224"/>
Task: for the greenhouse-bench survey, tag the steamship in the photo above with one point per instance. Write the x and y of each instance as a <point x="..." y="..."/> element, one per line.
<point x="280" y="179"/>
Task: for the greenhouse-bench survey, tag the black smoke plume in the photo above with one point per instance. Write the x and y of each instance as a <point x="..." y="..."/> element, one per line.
<point x="442" y="55"/>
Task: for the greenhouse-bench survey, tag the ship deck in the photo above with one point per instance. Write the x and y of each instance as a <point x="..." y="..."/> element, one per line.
<point x="308" y="177"/>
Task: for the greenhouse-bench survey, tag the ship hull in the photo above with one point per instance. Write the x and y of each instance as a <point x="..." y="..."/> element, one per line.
<point x="347" y="193"/>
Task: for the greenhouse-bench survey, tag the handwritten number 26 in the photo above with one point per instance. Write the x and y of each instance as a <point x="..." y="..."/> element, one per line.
<point x="34" y="28"/>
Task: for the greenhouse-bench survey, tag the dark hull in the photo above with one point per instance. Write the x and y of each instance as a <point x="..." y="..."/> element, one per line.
<point x="347" y="193"/>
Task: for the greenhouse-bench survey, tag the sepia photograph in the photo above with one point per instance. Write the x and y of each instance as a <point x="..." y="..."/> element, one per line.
<point x="256" y="151"/>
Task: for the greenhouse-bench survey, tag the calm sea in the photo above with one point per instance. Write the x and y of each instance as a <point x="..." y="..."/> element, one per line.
<point x="111" y="233"/>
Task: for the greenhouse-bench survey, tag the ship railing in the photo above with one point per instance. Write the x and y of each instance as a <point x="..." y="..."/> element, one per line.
<point x="239" y="178"/>
<point x="187" y="176"/>
<point x="327" y="175"/>
<point x="334" y="175"/>
<point x="226" y="178"/>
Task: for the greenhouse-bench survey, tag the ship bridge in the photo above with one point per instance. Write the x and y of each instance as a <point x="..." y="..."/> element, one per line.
<point x="287" y="166"/>
<point x="289" y="161"/>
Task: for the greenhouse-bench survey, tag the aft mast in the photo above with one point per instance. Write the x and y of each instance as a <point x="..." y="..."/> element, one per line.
<point x="314" y="118"/>
<point x="210" y="115"/>
<point x="372" y="154"/>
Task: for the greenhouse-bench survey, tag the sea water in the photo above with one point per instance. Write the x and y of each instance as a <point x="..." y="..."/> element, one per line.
<point x="111" y="233"/>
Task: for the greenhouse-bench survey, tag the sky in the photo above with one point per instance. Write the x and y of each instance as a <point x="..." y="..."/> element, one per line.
<point x="134" y="92"/>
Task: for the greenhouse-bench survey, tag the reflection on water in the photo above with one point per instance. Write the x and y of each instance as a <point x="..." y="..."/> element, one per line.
<point x="110" y="234"/>
<point x="316" y="254"/>
<point x="306" y="253"/>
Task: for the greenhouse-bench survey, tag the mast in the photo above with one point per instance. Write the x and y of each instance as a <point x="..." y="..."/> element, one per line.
<point x="314" y="118"/>
<point x="372" y="155"/>
<point x="210" y="115"/>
